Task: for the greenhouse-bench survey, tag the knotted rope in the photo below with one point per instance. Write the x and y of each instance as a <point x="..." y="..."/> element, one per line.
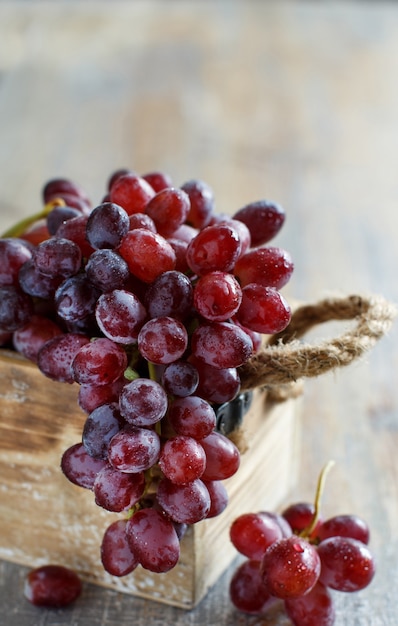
<point x="285" y="360"/>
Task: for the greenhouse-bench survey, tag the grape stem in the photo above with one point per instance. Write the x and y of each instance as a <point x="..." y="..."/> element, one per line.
<point x="318" y="497"/>
<point x="152" y="371"/>
<point x="21" y="227"/>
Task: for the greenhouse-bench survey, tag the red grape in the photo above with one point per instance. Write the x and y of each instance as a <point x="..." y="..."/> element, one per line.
<point x="221" y="345"/>
<point x="344" y="526"/>
<point x="79" y="467"/>
<point x="153" y="540"/>
<point x="215" y="247"/>
<point x="116" y="554"/>
<point x="290" y="567"/>
<point x="222" y="457"/>
<point x="118" y="491"/>
<point x="131" y="192"/>
<point x="182" y="459"/>
<point x="347" y="564"/>
<point x="120" y="315"/>
<point x="202" y="202"/>
<point x="147" y="254"/>
<point x="134" y="449"/>
<point x="264" y="220"/>
<point x="99" y="362"/>
<point x="189" y="503"/>
<point x="52" y="586"/>
<point x="247" y="590"/>
<point x="263" y="309"/>
<point x="253" y="533"/>
<point x="162" y="340"/>
<point x="143" y="402"/>
<point x="270" y="267"/>
<point x="217" y="296"/>
<point x="168" y="209"/>
<point x="315" y="608"/>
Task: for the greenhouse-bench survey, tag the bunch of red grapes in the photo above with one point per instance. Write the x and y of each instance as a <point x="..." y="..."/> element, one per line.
<point x="297" y="558"/>
<point x="150" y="302"/>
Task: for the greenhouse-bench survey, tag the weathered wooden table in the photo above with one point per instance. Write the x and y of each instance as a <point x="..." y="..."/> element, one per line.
<point x="293" y="101"/>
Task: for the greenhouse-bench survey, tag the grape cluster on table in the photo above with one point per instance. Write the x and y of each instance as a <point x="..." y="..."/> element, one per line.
<point x="150" y="301"/>
<point x="293" y="560"/>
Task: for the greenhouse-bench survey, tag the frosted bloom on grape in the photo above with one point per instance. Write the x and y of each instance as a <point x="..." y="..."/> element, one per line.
<point x="154" y="540"/>
<point x="216" y="247"/>
<point x="99" y="362"/>
<point x="217" y="296"/>
<point x="134" y="449"/>
<point x="221" y="345"/>
<point x="120" y="315"/>
<point x="143" y="402"/>
<point x="162" y="340"/>
<point x="106" y="226"/>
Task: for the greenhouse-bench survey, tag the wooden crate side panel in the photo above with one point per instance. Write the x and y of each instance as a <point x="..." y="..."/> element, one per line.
<point x="47" y="519"/>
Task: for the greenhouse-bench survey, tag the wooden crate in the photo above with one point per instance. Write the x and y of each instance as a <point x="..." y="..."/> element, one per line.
<point x="44" y="518"/>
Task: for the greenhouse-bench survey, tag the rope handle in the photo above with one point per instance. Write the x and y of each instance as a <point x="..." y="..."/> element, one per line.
<point x="285" y="359"/>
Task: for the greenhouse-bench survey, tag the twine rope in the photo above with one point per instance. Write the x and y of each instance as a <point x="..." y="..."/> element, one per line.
<point x="285" y="360"/>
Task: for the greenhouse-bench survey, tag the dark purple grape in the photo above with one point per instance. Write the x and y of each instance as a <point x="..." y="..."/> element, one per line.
<point x="13" y="254"/>
<point x="106" y="226"/>
<point x="59" y="186"/>
<point x="75" y="298"/>
<point x="16" y="308"/>
<point x="58" y="257"/>
<point x="37" y="284"/>
<point x="170" y="295"/>
<point x="99" y="428"/>
<point x="180" y="378"/>
<point x="59" y="215"/>
<point x="107" y="270"/>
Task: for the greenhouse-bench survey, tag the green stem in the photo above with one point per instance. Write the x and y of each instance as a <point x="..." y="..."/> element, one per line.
<point x="21" y="227"/>
<point x="152" y="370"/>
<point x="307" y="532"/>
